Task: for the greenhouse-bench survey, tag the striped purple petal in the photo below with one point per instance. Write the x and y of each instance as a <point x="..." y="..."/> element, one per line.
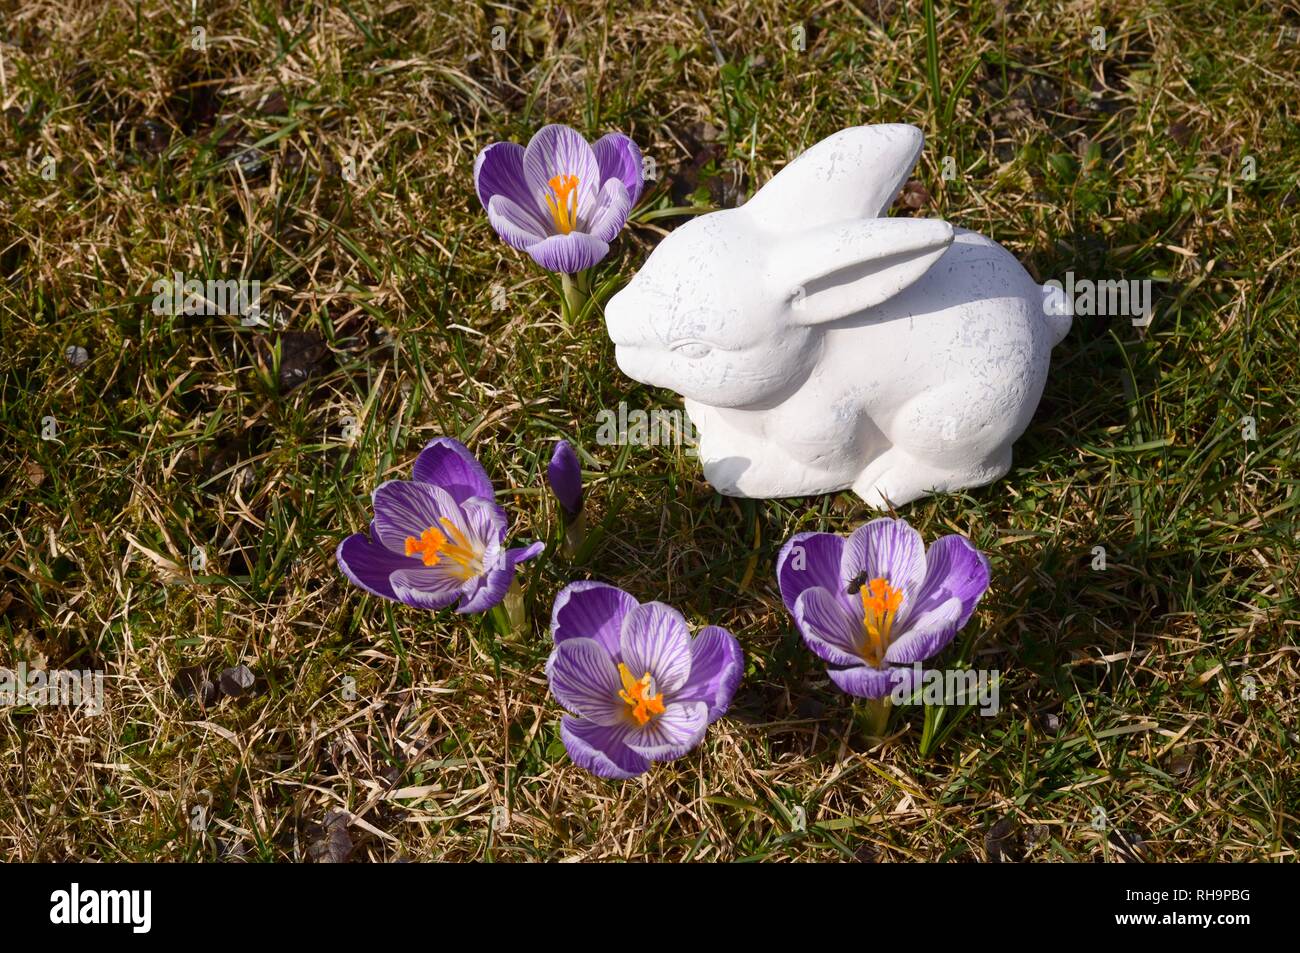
<point x="864" y="681"/>
<point x="609" y="214"/>
<point x="619" y="157"/>
<point x="569" y="253"/>
<point x="927" y="633"/>
<point x="514" y="224"/>
<point x="828" y="628"/>
<point x="488" y="589"/>
<point x="656" y="639"/>
<point x="403" y="509"/>
<point x="889" y="549"/>
<point x="585" y="680"/>
<point x="591" y="610"/>
<point x="520" y="554"/>
<point x="954" y="567"/>
<point x="558" y="150"/>
<point x="906" y="679"/>
<point x="483" y="521"/>
<point x="427" y="587"/>
<point x="367" y="563"/>
<point x="499" y="170"/>
<point x="808" y="560"/>
<point x="601" y="749"/>
<point x="670" y="735"/>
<point x="448" y="463"/>
<point x="716" y="666"/>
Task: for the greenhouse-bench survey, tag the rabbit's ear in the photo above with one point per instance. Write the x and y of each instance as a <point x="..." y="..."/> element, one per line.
<point x="855" y="173"/>
<point x="837" y="270"/>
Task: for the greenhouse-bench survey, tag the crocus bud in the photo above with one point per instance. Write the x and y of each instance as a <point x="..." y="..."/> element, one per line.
<point x="565" y="476"/>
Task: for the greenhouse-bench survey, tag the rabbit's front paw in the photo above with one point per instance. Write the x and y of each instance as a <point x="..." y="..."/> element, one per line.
<point x="771" y="476"/>
<point x="725" y="474"/>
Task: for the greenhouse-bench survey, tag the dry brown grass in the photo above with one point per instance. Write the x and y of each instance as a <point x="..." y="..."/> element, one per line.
<point x="1121" y="690"/>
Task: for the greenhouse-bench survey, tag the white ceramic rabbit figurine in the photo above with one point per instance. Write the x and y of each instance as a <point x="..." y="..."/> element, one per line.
<point x="819" y="345"/>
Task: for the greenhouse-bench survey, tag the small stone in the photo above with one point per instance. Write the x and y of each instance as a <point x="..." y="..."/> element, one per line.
<point x="867" y="854"/>
<point x="914" y="195"/>
<point x="1181" y="763"/>
<point x="76" y="355"/>
<point x="1180" y="132"/>
<point x="193" y="684"/>
<point x="1003" y="841"/>
<point x="152" y="137"/>
<point x="1129" y="847"/>
<point x="335" y="846"/>
<point x="273" y="104"/>
<point x="237" y="681"/>
<point x="808" y="707"/>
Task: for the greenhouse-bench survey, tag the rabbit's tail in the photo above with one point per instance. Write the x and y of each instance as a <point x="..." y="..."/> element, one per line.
<point x="1058" y="312"/>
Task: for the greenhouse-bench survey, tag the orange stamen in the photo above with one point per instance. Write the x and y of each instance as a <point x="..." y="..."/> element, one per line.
<point x="433" y="545"/>
<point x="641" y="705"/>
<point x="563" y="202"/>
<point x="880" y="602"/>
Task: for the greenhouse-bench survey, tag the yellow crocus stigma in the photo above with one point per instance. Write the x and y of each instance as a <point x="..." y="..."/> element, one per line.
<point x="880" y="602"/>
<point x="641" y="706"/>
<point x="563" y="202"/>
<point x="434" y="545"/>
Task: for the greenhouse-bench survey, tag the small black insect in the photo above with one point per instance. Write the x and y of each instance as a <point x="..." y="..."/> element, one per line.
<point x="856" y="584"/>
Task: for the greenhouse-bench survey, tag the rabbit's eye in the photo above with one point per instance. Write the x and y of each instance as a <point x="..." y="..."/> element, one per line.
<point x="692" y="349"/>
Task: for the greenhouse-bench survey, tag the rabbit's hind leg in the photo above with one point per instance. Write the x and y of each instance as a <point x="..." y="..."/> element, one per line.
<point x="942" y="440"/>
<point x="897" y="477"/>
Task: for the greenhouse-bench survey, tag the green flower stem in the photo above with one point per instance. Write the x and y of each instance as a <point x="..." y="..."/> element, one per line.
<point x="575" y="295"/>
<point x="574" y="534"/>
<point x="873" y="716"/>
<point x="515" y="612"/>
<point x="933" y="717"/>
<point x="500" y="620"/>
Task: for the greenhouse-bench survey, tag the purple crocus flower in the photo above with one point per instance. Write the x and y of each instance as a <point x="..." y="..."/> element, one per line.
<point x="561" y="199"/>
<point x="877" y="602"/>
<point x="638" y="687"/>
<point x="565" y="476"/>
<point x="438" y="538"/>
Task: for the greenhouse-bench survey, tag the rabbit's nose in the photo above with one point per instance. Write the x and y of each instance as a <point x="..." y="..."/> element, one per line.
<point x="625" y="318"/>
<point x="635" y="316"/>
